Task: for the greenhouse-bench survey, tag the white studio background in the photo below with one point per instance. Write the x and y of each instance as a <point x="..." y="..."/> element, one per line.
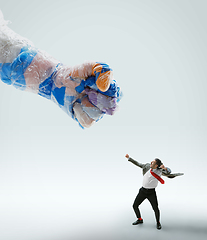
<point x="58" y="181"/>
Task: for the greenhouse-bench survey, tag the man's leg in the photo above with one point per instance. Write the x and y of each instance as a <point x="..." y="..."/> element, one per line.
<point x="138" y="200"/>
<point x="152" y="197"/>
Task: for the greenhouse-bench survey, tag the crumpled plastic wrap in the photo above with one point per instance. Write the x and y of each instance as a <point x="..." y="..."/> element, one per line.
<point x="85" y="92"/>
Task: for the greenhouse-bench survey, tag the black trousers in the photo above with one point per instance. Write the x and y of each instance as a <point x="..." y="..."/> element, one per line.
<point x="150" y="194"/>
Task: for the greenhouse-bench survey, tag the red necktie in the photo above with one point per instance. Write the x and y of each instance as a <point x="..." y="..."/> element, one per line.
<point x="156" y="176"/>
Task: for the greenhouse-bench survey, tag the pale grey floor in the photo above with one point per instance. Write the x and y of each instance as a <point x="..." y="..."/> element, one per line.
<point x="62" y="222"/>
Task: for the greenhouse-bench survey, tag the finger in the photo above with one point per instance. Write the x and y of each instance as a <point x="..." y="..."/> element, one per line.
<point x="105" y="103"/>
<point x="103" y="75"/>
<point x="92" y="111"/>
<point x="81" y="116"/>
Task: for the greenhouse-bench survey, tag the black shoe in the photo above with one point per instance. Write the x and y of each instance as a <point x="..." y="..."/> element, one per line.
<point x="159" y="226"/>
<point x="137" y="222"/>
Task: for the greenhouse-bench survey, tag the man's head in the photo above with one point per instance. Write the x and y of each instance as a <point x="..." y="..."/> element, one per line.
<point x="156" y="163"/>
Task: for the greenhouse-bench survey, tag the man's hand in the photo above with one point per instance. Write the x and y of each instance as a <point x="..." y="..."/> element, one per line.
<point x="127" y="155"/>
<point x="163" y="167"/>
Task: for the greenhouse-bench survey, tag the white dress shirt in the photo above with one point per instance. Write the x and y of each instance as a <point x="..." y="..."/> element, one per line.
<point x="150" y="181"/>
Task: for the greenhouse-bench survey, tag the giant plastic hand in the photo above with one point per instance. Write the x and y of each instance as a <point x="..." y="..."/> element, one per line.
<point x="85" y="92"/>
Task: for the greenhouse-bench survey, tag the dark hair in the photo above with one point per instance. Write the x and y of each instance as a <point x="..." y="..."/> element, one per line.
<point x="158" y="161"/>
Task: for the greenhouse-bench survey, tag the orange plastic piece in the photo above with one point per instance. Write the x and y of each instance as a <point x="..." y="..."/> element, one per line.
<point x="104" y="79"/>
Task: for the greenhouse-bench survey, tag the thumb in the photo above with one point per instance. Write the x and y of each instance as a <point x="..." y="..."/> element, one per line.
<point x="103" y="75"/>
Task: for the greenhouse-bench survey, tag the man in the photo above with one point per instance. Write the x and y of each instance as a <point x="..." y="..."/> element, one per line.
<point x="152" y="173"/>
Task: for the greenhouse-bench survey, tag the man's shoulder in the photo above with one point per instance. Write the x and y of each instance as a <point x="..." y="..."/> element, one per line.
<point x="147" y="165"/>
<point x="146" y="168"/>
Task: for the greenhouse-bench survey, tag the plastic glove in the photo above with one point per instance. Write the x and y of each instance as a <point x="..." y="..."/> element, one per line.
<point x="85" y="92"/>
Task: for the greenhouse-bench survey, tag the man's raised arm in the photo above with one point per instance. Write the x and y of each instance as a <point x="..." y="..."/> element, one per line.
<point x="141" y="165"/>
